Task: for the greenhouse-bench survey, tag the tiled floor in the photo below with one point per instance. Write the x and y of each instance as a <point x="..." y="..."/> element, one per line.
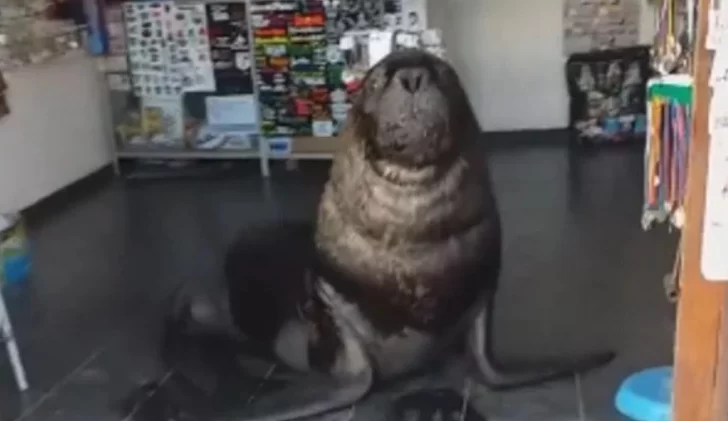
<point x="580" y="275"/>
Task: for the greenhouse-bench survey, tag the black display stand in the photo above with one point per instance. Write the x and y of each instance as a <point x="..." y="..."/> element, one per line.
<point x="607" y="91"/>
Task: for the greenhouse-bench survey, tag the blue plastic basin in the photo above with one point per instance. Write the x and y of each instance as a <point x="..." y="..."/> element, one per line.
<point x="647" y="395"/>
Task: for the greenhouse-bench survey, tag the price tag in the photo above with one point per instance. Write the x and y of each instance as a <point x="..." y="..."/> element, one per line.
<point x="379" y="45"/>
<point x="280" y="146"/>
<point x="322" y="128"/>
<point x="346" y="43"/>
<point x="408" y="40"/>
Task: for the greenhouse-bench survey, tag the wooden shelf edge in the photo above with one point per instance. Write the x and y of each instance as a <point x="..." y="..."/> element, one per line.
<point x="700" y="382"/>
<point x="187" y="154"/>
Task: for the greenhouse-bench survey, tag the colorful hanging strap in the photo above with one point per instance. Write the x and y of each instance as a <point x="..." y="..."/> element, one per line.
<point x="654" y="151"/>
<point x="683" y="149"/>
<point x="674" y="139"/>
<point x="663" y="175"/>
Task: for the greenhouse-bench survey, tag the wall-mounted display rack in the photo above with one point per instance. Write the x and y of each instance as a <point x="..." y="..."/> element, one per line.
<point x="247" y="79"/>
<point x="180" y="82"/>
<point x="28" y="36"/>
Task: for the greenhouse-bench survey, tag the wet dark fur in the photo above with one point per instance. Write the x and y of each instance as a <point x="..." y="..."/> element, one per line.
<point x="264" y="269"/>
<point x="268" y="272"/>
<point x="413" y="243"/>
<point x="412" y="238"/>
<point x="410" y="252"/>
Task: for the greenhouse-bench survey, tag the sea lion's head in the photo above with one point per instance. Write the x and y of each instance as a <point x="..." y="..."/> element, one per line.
<point x="411" y="110"/>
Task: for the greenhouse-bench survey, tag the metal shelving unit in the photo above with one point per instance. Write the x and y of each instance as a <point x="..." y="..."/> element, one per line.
<point x="301" y="148"/>
<point x="111" y="64"/>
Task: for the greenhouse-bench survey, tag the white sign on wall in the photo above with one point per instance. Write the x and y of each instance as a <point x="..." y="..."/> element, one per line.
<point x="714" y="250"/>
<point x="714" y="257"/>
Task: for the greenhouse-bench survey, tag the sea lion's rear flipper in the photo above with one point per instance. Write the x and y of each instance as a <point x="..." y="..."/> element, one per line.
<point x="481" y="349"/>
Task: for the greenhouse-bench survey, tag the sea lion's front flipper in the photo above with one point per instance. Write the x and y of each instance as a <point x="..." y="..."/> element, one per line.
<point x="480" y="347"/>
<point x="346" y="381"/>
<point x="264" y="369"/>
<point x="307" y="397"/>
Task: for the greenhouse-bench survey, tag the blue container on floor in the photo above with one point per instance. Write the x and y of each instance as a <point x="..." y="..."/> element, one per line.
<point x="16" y="268"/>
<point x="647" y="395"/>
<point x="14" y="251"/>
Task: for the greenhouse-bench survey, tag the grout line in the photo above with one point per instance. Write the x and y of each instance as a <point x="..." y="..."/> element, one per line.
<point x="580" y="398"/>
<point x="254" y="395"/>
<point x="140" y="404"/>
<point x="352" y="413"/>
<point x="466" y="399"/>
<point x="65" y="380"/>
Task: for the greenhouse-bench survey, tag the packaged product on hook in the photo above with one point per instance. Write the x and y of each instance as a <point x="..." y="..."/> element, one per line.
<point x="355" y="65"/>
<point x="673" y="45"/>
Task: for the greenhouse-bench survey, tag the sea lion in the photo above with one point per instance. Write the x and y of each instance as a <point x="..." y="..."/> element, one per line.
<point x="404" y="259"/>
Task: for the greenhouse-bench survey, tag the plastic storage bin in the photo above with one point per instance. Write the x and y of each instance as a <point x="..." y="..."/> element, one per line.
<point x="14" y="250"/>
<point x="646" y="395"/>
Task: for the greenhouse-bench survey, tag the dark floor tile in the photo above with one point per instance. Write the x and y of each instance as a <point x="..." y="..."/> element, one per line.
<point x="81" y="395"/>
<point x="579" y="275"/>
<point x="173" y="398"/>
<point x="49" y="362"/>
<point x="555" y="400"/>
<point x="552" y="402"/>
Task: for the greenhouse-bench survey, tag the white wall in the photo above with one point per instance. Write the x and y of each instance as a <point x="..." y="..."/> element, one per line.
<point x="509" y="55"/>
<point x="56" y="132"/>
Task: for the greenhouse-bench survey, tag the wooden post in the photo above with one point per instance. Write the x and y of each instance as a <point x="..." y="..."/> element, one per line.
<point x="701" y="341"/>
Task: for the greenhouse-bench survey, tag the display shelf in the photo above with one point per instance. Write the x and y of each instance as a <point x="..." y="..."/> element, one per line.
<point x="171" y="153"/>
<point x="42" y="49"/>
<point x="308" y="147"/>
<point x="180" y="117"/>
<point x="146" y="103"/>
<point x="315" y="156"/>
<point x="295" y="148"/>
<point x="29" y="37"/>
<point x="300" y="148"/>
<point x="112" y="64"/>
<point x="179" y="153"/>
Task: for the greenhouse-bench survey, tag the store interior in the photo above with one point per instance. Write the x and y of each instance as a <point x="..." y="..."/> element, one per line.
<point x="137" y="140"/>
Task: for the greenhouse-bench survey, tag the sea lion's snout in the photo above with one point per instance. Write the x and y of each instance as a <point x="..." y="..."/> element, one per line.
<point x="411" y="82"/>
<point x="406" y="108"/>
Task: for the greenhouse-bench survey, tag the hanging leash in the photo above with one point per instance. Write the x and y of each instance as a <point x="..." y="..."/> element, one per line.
<point x="671" y="281"/>
<point x="654" y="155"/>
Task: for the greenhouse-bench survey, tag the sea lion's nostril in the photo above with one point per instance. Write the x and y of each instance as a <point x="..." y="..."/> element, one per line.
<point x="406" y="84"/>
<point x="412" y="79"/>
